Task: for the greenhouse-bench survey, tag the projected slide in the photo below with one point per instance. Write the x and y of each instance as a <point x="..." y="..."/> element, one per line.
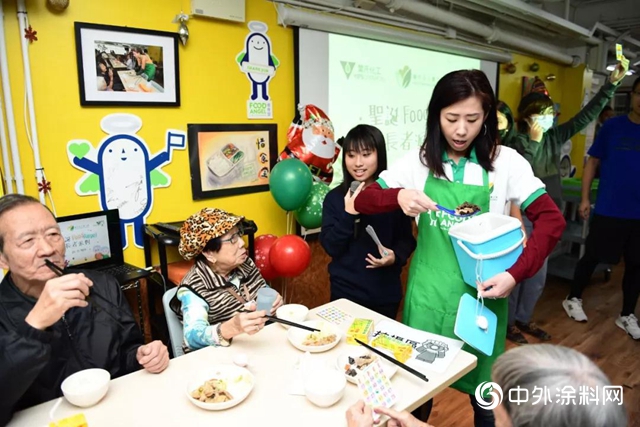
<point x="387" y="86"/>
<point x="381" y="84"/>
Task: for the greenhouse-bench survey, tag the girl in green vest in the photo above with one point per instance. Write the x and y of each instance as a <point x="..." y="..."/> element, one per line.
<point x="461" y="161"/>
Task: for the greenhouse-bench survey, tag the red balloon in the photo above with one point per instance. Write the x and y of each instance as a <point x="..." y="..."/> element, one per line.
<point x="263" y="246"/>
<point x="290" y="255"/>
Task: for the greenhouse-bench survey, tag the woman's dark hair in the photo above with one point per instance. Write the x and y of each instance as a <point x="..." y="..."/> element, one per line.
<point x="636" y="83"/>
<point x="533" y="103"/>
<point x="450" y="89"/>
<point x="504" y="109"/>
<point x="212" y="245"/>
<point x="98" y="63"/>
<point x="362" y="138"/>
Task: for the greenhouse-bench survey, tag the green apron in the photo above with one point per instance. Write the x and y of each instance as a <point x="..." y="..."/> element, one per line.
<point x="435" y="283"/>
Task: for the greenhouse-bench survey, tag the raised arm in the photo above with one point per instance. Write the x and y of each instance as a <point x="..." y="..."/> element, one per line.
<point x="591" y="111"/>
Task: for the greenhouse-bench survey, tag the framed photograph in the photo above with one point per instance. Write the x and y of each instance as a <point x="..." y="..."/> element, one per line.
<point x="127" y="66"/>
<point x="231" y="159"/>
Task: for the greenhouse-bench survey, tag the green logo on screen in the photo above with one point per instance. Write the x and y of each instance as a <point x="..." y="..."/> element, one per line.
<point x="403" y="76"/>
<point x="347" y="67"/>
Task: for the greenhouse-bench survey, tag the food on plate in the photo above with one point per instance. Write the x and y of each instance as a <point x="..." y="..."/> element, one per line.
<point x="467" y="209"/>
<point x="355" y="364"/>
<point x="316" y="339"/>
<point x="212" y="391"/>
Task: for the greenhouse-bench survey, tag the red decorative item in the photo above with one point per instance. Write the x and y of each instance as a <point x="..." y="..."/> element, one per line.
<point x="311" y="140"/>
<point x="31" y="34"/>
<point x="290" y="255"/>
<point x="44" y="186"/>
<point x="262" y="248"/>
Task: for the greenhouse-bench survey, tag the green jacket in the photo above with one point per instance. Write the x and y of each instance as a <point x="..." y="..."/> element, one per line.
<point x="544" y="156"/>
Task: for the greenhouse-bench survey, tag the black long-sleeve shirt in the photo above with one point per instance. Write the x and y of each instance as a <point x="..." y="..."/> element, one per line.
<point x="34" y="363"/>
<point x="348" y="249"/>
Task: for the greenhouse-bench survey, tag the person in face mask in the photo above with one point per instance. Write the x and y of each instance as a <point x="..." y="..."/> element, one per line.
<point x="536" y="117"/>
<point x="539" y="141"/>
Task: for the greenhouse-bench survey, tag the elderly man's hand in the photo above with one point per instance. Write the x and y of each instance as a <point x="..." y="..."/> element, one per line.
<point x="359" y="415"/>
<point x="153" y="357"/>
<point x="59" y="295"/>
<point x="400" y="419"/>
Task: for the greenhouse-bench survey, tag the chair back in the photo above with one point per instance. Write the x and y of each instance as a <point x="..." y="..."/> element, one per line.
<point x="173" y="323"/>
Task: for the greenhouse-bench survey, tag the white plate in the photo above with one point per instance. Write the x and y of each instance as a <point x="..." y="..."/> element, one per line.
<point x="389" y="368"/>
<point x="297" y="336"/>
<point x="239" y="384"/>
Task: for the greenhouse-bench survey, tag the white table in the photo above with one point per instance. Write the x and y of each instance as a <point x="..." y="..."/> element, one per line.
<point x="141" y="398"/>
<point x="131" y="82"/>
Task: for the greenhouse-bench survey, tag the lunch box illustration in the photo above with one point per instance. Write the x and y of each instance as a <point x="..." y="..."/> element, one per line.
<point x="224" y="161"/>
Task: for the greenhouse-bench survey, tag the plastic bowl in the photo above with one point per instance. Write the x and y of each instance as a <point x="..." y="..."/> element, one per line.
<point x="324" y="387"/>
<point x="86" y="388"/>
<point x="293" y="312"/>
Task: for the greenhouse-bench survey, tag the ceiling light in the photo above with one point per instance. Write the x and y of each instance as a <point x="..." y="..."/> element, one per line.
<point x="611" y="67"/>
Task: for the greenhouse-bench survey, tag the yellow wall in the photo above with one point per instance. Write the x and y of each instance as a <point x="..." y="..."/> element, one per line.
<point x="567" y="90"/>
<point x="510" y="90"/>
<point x="213" y="90"/>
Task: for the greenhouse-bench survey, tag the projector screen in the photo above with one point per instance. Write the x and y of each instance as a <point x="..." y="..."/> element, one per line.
<point x="386" y="85"/>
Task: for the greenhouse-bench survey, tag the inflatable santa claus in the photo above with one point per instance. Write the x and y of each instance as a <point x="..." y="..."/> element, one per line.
<point x="311" y="140"/>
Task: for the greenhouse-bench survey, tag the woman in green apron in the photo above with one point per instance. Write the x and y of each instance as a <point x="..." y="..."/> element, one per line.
<point x="460" y="161"/>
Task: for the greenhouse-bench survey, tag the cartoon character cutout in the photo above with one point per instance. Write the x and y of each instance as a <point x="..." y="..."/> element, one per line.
<point x="257" y="60"/>
<point x="122" y="171"/>
<point x="311" y="139"/>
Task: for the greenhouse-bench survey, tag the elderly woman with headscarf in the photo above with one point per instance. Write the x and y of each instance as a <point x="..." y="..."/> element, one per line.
<point x="215" y="300"/>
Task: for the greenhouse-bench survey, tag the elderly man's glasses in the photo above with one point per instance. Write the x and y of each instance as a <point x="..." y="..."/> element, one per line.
<point x="234" y="237"/>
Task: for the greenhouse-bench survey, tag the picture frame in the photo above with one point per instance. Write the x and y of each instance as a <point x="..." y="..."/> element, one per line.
<point x="231" y="159"/>
<point x="123" y="66"/>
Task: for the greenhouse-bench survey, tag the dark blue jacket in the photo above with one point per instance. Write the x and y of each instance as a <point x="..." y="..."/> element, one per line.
<point x="348" y="249"/>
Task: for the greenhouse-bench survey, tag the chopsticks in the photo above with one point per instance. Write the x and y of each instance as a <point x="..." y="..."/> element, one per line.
<point x="60" y="272"/>
<point x="394" y="361"/>
<point x="286" y="322"/>
<point x="295" y="325"/>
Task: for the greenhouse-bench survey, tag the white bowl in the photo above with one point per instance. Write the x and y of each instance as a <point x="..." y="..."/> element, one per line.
<point x="240" y="382"/>
<point x="324" y="387"/>
<point x="297" y="336"/>
<point x="87" y="387"/>
<point x="292" y="312"/>
<point x="389" y="368"/>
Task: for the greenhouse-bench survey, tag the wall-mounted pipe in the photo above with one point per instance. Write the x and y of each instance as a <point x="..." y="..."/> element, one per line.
<point x="358" y="28"/>
<point x="8" y="104"/>
<point x="491" y="34"/>
<point x="607" y="30"/>
<point x="366" y="15"/>
<point x="22" y="22"/>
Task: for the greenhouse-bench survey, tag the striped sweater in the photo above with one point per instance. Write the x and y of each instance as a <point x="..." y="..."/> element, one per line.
<point x="205" y="301"/>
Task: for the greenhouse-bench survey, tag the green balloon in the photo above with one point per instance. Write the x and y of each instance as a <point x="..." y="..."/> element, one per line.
<point x="309" y="215"/>
<point x="290" y="183"/>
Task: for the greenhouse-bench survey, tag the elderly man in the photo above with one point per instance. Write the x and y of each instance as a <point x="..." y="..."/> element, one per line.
<point x="49" y="329"/>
